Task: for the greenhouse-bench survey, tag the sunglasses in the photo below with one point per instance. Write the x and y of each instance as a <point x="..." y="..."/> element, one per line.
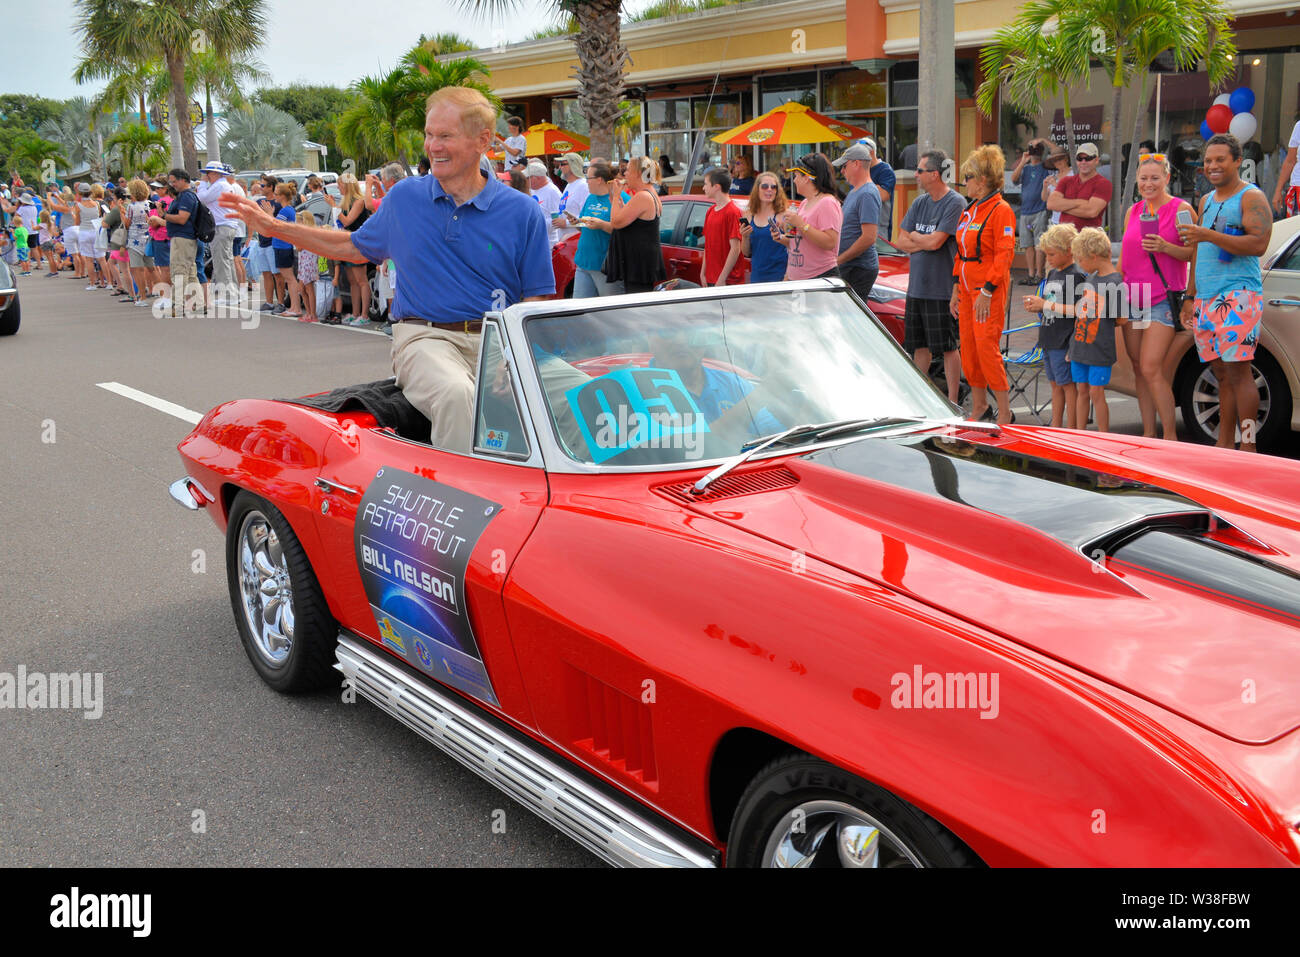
<point x="767" y="185"/>
<point x="922" y="169"/>
<point x="1158" y="157"/>
<point x="1082" y="158"/>
<point x="970" y="177"/>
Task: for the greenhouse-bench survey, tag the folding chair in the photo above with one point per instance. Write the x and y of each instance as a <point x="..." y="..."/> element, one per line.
<point x="1025" y="371"/>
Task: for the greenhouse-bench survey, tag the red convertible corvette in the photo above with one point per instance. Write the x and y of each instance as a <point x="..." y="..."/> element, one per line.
<point x="724" y="579"/>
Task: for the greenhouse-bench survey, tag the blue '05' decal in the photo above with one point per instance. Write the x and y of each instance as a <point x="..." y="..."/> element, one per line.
<point x="634" y="408"/>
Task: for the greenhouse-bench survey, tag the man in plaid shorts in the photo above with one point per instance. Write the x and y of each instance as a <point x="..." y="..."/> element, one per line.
<point x="927" y="233"/>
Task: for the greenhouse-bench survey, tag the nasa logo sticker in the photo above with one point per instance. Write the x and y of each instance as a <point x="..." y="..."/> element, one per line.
<point x="423" y="654"/>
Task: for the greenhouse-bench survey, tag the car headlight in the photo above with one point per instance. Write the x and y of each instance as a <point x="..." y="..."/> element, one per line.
<point x="882" y="293"/>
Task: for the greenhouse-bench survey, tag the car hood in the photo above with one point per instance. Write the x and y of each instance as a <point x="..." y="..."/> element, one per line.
<point x="1124" y="580"/>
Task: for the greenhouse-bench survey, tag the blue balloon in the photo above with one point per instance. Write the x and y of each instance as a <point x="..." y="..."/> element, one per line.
<point x="1206" y="132"/>
<point x="1242" y="100"/>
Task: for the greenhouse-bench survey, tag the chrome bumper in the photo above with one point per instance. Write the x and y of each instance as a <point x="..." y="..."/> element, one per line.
<point x="190" y="494"/>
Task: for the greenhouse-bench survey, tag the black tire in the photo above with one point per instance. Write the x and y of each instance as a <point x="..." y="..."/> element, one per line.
<point x="798" y="780"/>
<point x="307" y="663"/>
<point x="10" y="319"/>
<point x="1198" y="401"/>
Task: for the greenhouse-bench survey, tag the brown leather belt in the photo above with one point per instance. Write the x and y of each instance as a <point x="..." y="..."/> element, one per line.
<point x="465" y="325"/>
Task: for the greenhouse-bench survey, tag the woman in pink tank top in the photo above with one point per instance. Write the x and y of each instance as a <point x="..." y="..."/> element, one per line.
<point x="1154" y="262"/>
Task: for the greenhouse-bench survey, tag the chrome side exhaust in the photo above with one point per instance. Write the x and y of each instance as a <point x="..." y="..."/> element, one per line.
<point x="613" y="830"/>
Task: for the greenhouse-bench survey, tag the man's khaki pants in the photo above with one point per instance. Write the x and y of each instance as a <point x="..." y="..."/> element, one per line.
<point x="435" y="369"/>
<point x="184" y="271"/>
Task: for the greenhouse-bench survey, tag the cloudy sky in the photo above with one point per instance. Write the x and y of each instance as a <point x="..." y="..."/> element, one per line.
<point x="314" y="41"/>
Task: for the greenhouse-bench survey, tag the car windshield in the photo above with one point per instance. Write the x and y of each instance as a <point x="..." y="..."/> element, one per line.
<point x="685" y="381"/>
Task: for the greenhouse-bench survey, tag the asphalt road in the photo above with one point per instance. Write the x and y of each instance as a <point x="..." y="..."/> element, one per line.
<point x="102" y="572"/>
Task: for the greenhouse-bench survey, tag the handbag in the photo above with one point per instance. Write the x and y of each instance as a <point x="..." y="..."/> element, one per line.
<point x="1174" y="297"/>
<point x="148" y="248"/>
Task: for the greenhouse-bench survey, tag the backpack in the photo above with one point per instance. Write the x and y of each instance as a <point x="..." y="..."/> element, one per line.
<point x="205" y="227"/>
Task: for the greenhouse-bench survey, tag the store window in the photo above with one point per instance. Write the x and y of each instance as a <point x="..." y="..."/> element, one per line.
<point x="673" y="124"/>
<point x="854" y="89"/>
<point x="799" y="87"/>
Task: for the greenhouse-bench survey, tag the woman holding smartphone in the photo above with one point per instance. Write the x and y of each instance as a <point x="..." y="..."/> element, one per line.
<point x="761" y="228"/>
<point x="1153" y="261"/>
<point x="593" y="244"/>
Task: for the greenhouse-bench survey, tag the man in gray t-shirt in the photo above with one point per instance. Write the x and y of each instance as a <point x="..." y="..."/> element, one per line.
<point x="927" y="233"/>
<point x="858" y="262"/>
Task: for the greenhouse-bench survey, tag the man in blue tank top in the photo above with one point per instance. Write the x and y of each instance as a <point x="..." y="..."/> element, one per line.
<point x="1224" y="300"/>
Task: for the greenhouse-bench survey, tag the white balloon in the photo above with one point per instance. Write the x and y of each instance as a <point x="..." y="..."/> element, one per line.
<point x="1243" y="126"/>
<point x="1223" y="99"/>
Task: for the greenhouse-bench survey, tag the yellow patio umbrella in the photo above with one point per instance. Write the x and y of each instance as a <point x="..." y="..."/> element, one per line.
<point x="543" y="139"/>
<point x="790" y="123"/>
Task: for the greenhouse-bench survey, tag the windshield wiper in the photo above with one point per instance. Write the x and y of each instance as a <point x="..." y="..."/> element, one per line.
<point x="809" y="430"/>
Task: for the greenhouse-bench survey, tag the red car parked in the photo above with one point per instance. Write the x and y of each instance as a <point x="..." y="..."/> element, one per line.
<point x="681" y="236"/>
<point x="723" y="582"/>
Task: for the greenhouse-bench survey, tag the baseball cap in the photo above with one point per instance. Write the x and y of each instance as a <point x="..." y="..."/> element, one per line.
<point x="855" y="152"/>
<point x="870" y="144"/>
<point x="574" y="162"/>
<point x="214" y="166"/>
<point x="535" y="168"/>
<point x="1086" y="149"/>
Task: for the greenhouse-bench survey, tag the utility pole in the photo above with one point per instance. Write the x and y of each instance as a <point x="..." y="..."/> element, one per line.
<point x="937" y="89"/>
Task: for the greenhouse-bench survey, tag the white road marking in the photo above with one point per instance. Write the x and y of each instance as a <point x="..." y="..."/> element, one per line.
<point x="144" y="398"/>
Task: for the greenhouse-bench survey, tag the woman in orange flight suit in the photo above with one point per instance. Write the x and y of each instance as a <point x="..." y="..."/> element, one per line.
<point x="986" y="243"/>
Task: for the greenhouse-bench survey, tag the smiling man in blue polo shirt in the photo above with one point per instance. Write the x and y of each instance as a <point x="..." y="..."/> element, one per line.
<point x="463" y="243"/>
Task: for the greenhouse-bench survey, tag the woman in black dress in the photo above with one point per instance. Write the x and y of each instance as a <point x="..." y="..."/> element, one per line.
<point x="635" y="258"/>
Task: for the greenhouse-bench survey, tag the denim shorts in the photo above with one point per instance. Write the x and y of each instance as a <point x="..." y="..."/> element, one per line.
<point x="1159" y="312"/>
<point x="1089" y="375"/>
<point x="1058" y="366"/>
<point x="162" y="253"/>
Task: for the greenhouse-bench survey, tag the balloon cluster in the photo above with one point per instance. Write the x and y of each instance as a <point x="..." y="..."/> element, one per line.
<point x="1231" y="114"/>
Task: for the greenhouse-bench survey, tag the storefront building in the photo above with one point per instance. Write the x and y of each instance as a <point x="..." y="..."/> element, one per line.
<point x="856" y="60"/>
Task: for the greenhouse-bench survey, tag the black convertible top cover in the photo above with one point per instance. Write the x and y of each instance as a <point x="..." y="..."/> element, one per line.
<point x="383" y="399"/>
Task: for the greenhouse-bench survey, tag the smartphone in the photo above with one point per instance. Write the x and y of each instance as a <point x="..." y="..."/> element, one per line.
<point x="1184" y="217"/>
<point x="745" y="221"/>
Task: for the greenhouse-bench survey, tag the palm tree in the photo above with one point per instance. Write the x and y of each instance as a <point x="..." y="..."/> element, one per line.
<point x="426" y="73"/>
<point x="137" y="142"/>
<point x="262" y="136"/>
<point x="75" y="132"/>
<point x="442" y="43"/>
<point x="602" y="55"/>
<point x="118" y="32"/>
<point x="1028" y="64"/>
<point x="31" y="151"/>
<point x="374" y="124"/>
<point x="224" y="77"/>
<point x="1125" y="35"/>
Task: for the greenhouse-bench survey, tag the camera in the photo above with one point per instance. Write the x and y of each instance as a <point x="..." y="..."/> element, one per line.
<point x="1035" y="149"/>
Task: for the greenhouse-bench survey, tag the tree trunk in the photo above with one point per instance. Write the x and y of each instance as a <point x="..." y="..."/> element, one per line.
<point x="1070" y="144"/>
<point x="602" y="56"/>
<point x="181" y="111"/>
<point x="174" y="133"/>
<point x="1116" y="218"/>
<point x="1139" y="118"/>
<point x="97" y="163"/>
<point x="214" y="146"/>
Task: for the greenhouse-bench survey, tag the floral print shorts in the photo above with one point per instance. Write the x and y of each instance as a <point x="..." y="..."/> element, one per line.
<point x="1227" y="326"/>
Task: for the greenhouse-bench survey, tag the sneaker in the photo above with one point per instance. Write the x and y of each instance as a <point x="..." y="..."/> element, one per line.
<point x="142" y="303"/>
<point x="277" y="309"/>
<point x="387" y="329"/>
<point x="90" y="287"/>
<point x="267" y="307"/>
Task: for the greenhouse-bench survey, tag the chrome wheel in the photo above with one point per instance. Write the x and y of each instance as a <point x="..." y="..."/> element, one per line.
<point x="1205" y="402"/>
<point x="834" y="834"/>
<point x="265" y="589"/>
